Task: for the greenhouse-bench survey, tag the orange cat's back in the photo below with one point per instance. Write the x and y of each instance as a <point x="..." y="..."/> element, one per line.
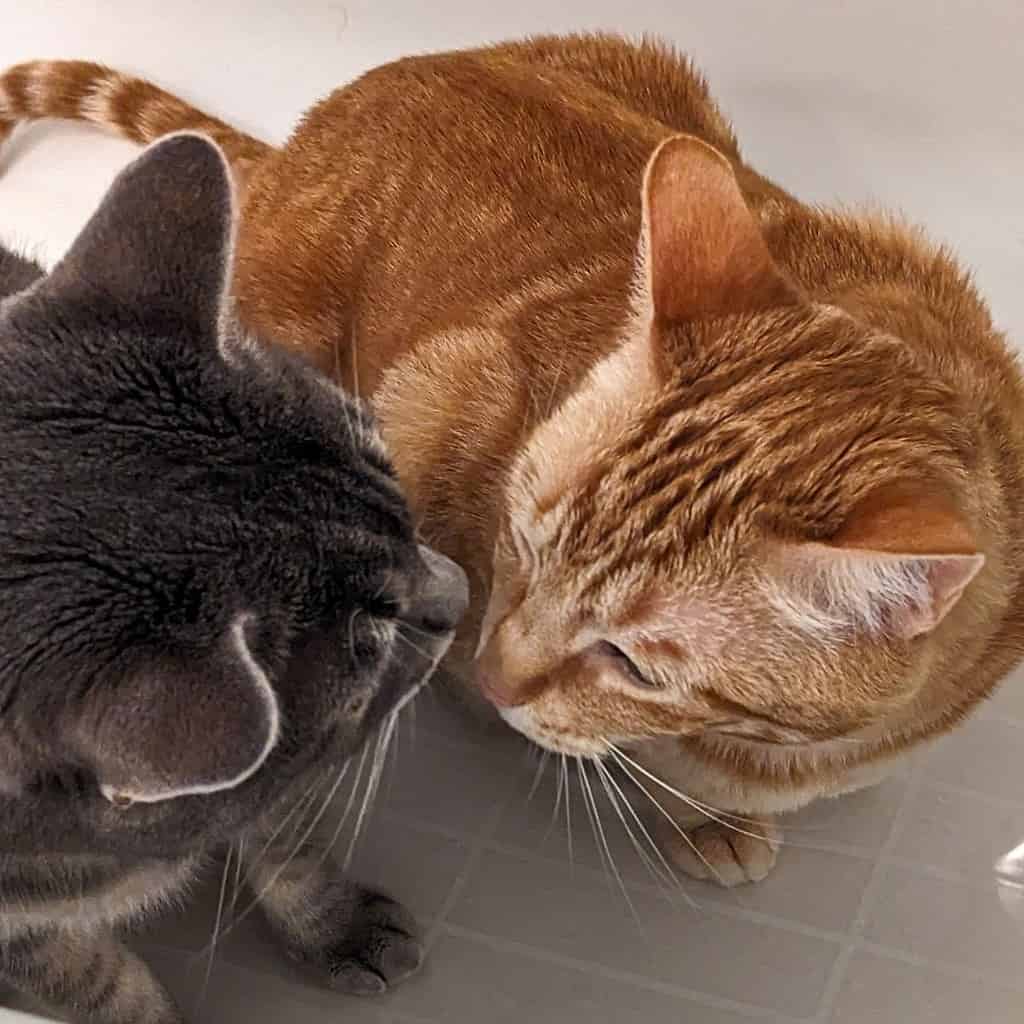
<point x="482" y="158"/>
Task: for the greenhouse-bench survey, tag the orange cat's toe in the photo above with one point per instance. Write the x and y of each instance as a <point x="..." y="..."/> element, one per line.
<point x="717" y="852"/>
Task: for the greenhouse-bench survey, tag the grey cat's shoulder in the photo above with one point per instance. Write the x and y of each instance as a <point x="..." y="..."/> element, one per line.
<point x="16" y="273"/>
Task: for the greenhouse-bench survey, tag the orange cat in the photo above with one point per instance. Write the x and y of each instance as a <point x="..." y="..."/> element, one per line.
<point x="739" y="480"/>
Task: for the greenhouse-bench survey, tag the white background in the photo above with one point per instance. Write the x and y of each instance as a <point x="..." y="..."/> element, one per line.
<point x="916" y="104"/>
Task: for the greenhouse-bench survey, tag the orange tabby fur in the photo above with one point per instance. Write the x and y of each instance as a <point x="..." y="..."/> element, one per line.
<point x="772" y="453"/>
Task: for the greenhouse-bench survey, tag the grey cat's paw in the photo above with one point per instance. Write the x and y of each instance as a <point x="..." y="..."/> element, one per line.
<point x="380" y="947"/>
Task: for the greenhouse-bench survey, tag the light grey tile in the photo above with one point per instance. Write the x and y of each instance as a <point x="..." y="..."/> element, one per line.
<point x="863" y="819"/>
<point x="239" y="996"/>
<point x="470" y="981"/>
<point x="812" y="886"/>
<point x="951" y="922"/>
<point x="414" y="866"/>
<point x="984" y="754"/>
<point x="435" y="712"/>
<point x="552" y="909"/>
<point x="1008" y="700"/>
<point x="959" y="832"/>
<point x="878" y="990"/>
<point x="456" y="784"/>
<point x="556" y="825"/>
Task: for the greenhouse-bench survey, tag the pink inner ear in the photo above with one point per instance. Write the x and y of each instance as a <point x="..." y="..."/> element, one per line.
<point x="828" y="590"/>
<point x="947" y="578"/>
<point x="899" y="565"/>
<point x="706" y="254"/>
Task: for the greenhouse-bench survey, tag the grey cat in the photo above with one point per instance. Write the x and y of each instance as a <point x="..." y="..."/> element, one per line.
<point x="207" y="572"/>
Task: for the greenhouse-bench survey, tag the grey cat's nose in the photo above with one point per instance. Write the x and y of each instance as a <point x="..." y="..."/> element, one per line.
<point x="442" y="600"/>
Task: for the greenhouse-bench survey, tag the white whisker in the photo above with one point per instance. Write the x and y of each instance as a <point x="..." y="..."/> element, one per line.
<point x="354" y="347"/>
<point x="603" y="839"/>
<point x="401" y="634"/>
<point x="590" y="815"/>
<point x="668" y="817"/>
<point x="568" y="809"/>
<point x="349" y="803"/>
<point x="618" y="798"/>
<point x="278" y="871"/>
<point x="542" y="763"/>
<point x="380" y="752"/>
<point x="299" y="808"/>
<point x="559" y="782"/>
<point x="205" y="987"/>
<point x="689" y="801"/>
<point x="237" y="884"/>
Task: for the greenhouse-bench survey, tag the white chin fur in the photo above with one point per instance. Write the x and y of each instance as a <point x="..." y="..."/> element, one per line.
<point x="522" y="720"/>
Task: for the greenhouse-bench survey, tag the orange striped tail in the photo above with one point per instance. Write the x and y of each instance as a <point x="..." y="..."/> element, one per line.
<point x="131" y="107"/>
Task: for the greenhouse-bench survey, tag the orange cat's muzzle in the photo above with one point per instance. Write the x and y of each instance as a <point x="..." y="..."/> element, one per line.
<point x="504" y="684"/>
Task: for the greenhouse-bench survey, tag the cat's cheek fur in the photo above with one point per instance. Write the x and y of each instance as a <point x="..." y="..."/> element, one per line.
<point x="560" y="740"/>
<point x="564" y="446"/>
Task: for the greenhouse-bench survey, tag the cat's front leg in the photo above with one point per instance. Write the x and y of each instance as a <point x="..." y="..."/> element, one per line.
<point x="89" y="975"/>
<point x="726" y="850"/>
<point x="357" y="940"/>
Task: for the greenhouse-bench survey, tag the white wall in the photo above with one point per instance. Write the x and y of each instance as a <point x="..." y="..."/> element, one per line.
<point x="914" y="103"/>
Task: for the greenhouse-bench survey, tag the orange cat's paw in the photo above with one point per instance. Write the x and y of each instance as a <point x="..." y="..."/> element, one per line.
<point x="719" y="853"/>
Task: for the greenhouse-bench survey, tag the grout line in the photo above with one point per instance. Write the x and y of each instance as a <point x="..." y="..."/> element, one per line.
<point x="946" y="968"/>
<point x="868" y="899"/>
<point x="710" y="903"/>
<point x="839" y="847"/>
<point x="977" y="794"/>
<point x="709" y="900"/>
<point x="460" y="835"/>
<point x="458" y="886"/>
<point x="950" y="877"/>
<point x="503" y="945"/>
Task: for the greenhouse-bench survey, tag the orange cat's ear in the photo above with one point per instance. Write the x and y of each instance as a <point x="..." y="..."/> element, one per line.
<point x="898" y="567"/>
<point x="705" y="252"/>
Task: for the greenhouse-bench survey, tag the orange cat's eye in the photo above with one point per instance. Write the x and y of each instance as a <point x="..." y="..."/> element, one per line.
<point x="625" y="664"/>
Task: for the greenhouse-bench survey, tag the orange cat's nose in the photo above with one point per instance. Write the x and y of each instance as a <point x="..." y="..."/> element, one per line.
<point x="499" y="681"/>
<point x="499" y="695"/>
<point x="492" y="680"/>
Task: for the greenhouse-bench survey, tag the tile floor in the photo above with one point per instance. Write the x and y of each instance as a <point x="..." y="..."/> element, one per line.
<point x="884" y="908"/>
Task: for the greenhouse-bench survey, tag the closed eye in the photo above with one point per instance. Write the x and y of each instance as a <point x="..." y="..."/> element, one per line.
<point x="626" y="665"/>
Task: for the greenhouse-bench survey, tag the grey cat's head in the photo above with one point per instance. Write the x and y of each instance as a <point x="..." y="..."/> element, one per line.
<point x="209" y="579"/>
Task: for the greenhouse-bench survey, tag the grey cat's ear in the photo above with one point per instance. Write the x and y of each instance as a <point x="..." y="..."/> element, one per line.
<point x="183" y="727"/>
<point x="161" y="238"/>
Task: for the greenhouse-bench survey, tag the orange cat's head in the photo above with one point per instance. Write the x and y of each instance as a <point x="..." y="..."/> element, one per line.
<point x="749" y="521"/>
